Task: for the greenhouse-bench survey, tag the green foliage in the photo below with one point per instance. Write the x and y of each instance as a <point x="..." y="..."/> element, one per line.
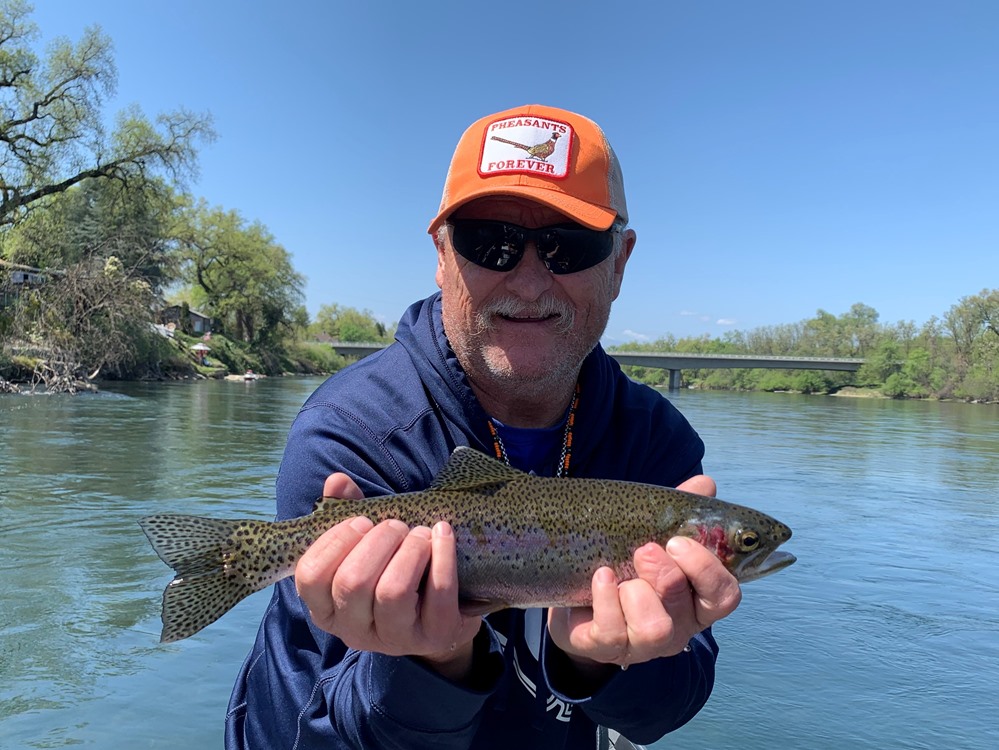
<point x="980" y="383"/>
<point x="93" y="210"/>
<point x="811" y="381"/>
<point x="775" y="380"/>
<point x="99" y="218"/>
<point x="92" y="318"/>
<point x="244" y="276"/>
<point x="956" y="357"/>
<point x="973" y="324"/>
<point x="233" y="356"/>
<point x="882" y="363"/>
<point x="350" y="325"/>
<point x="311" y="357"/>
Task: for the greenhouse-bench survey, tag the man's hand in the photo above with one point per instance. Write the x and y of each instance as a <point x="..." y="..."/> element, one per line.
<point x="362" y="583"/>
<point x="679" y="591"/>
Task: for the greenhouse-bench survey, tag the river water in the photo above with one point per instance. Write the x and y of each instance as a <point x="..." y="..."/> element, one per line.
<point x="885" y="634"/>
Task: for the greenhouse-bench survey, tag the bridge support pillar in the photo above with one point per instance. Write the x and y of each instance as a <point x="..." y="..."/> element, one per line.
<point x="674" y="380"/>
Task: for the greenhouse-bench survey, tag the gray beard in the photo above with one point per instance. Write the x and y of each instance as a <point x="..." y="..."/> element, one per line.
<point x="565" y="349"/>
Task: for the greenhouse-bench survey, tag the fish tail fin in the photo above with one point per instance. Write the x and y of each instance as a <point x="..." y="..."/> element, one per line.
<point x="206" y="585"/>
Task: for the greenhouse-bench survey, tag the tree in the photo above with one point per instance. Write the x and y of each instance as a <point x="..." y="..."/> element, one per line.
<point x="973" y="320"/>
<point x="325" y="321"/>
<point x="974" y="326"/>
<point x="103" y="245"/>
<point x="358" y="326"/>
<point x="84" y="322"/>
<point x="52" y="134"/>
<point x="348" y="324"/>
<point x="244" y="276"/>
<point x="881" y="363"/>
<point x="103" y="217"/>
<point x="860" y="327"/>
<point x="823" y="335"/>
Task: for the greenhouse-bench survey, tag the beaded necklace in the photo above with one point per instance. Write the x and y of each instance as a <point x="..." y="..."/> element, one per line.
<point x="565" y="459"/>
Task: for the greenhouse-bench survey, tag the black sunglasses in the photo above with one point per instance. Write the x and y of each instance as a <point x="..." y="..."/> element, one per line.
<point x="499" y="245"/>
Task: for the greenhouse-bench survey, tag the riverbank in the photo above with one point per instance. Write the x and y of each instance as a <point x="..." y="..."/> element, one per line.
<point x="850" y="391"/>
<point x="167" y="356"/>
<point x="855" y="392"/>
<point x="860" y="392"/>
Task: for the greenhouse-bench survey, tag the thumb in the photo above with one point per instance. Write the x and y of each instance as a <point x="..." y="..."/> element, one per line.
<point x="339" y="485"/>
<point x="699" y="484"/>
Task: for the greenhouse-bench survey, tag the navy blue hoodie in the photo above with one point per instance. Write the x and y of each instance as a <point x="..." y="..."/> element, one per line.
<point x="390" y="422"/>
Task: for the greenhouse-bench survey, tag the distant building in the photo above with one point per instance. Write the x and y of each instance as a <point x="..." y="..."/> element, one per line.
<point x="13" y="282"/>
<point x="196" y="322"/>
<point x="27" y="278"/>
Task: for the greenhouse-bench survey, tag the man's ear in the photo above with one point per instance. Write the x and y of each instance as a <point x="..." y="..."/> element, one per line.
<point x="441" y="260"/>
<point x="628" y="239"/>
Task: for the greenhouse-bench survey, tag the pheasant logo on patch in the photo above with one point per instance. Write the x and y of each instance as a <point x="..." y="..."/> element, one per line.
<point x="546" y="145"/>
<point x="541" y="151"/>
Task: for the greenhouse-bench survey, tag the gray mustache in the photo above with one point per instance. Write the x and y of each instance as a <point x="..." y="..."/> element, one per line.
<point x="513" y="308"/>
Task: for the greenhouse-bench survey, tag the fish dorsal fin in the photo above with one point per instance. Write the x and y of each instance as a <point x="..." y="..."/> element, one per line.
<point x="467" y="469"/>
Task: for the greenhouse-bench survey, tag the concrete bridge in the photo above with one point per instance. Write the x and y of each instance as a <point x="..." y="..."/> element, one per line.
<point x="676" y="362"/>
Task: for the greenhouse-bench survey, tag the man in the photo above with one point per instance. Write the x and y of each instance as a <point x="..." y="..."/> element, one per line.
<point x="367" y="647"/>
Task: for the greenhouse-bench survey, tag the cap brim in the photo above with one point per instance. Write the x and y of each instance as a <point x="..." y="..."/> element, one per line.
<point x="593" y="217"/>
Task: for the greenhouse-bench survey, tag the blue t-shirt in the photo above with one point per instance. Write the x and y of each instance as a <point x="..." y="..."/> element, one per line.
<point x="531" y="449"/>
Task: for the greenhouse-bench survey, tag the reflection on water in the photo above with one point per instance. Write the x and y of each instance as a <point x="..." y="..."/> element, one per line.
<point x="885" y="634"/>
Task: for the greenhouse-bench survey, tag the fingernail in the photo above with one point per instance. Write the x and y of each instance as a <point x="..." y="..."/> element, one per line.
<point x="401" y="526"/>
<point x="605" y="576"/>
<point x="678" y="545"/>
<point x="442" y="529"/>
<point x="361" y="525"/>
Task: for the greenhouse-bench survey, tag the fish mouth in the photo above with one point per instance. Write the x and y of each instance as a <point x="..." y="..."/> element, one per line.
<point x="749" y="570"/>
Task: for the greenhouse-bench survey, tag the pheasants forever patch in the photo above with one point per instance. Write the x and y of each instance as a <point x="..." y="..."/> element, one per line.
<point x="526" y="144"/>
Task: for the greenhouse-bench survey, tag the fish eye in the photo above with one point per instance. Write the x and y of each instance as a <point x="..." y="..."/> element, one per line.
<point x="748" y="540"/>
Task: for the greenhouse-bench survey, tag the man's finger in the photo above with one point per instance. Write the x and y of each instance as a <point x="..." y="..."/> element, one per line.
<point x="315" y="570"/>
<point x="397" y="598"/>
<point x="355" y="580"/>
<point x="440" y="617"/>
<point x="716" y="591"/>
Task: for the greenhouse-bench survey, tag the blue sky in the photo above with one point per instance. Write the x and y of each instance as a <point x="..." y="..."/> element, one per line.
<point x="779" y="156"/>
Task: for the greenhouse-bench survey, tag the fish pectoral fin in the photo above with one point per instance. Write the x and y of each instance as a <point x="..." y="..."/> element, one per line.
<point x="477" y="607"/>
<point x="468" y="469"/>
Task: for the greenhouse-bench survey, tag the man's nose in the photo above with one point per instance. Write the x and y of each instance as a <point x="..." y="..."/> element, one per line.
<point x="531" y="277"/>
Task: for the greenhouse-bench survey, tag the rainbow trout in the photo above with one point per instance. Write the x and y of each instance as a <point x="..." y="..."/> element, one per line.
<point x="523" y="541"/>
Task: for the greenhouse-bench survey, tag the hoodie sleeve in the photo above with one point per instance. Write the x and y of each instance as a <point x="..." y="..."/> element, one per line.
<point x="646" y="701"/>
<point x="396" y="702"/>
<point x="303" y="687"/>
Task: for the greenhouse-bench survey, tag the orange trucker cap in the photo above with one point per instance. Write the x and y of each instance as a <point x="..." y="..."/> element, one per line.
<point x="544" y="154"/>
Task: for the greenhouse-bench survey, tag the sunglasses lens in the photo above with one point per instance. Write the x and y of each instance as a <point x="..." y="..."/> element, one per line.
<point x="490" y="244"/>
<point x="573" y="249"/>
<point x="499" y="246"/>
